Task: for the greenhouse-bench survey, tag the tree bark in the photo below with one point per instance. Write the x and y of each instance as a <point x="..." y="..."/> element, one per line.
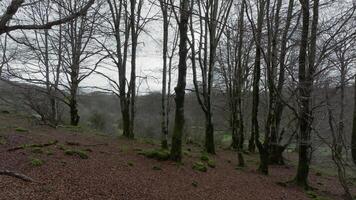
<point x="307" y="50"/>
<point x="256" y="79"/>
<point x="176" y="150"/>
<point x="164" y="128"/>
<point x="353" y="139"/>
<point x="276" y="156"/>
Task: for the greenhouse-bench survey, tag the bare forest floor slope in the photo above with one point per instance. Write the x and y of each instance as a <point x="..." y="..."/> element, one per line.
<point x="115" y="170"/>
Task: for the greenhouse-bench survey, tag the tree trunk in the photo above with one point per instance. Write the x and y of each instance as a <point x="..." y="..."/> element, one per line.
<point x="125" y="121"/>
<point x="209" y="134"/>
<point x="256" y="79"/>
<point x="132" y="86"/>
<point x="305" y="87"/>
<point x="353" y="139"/>
<point x="176" y="150"/>
<point x="276" y="155"/>
<point x="74" y="116"/>
<point x="164" y="140"/>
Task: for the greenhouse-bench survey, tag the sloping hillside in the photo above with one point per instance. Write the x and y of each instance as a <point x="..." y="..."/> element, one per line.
<point x="74" y="163"/>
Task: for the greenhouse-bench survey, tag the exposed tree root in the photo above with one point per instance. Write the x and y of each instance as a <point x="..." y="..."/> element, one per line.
<point x="94" y="145"/>
<point x="16" y="175"/>
<point x="33" y="146"/>
<point x="85" y="145"/>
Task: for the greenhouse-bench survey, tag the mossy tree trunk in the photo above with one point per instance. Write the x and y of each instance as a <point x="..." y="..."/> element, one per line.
<point x="176" y="150"/>
<point x="305" y="84"/>
<point x="164" y="113"/>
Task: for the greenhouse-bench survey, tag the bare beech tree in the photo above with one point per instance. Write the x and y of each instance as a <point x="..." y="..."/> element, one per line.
<point x="232" y="63"/>
<point x="166" y="16"/>
<point x="212" y="21"/>
<point x="182" y="17"/>
<point x="305" y="84"/>
<point x="47" y="47"/>
<point x="79" y="48"/>
<point x="126" y="22"/>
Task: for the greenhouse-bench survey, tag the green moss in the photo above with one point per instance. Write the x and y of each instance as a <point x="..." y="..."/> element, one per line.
<point x="312" y="195"/>
<point x="70" y="128"/>
<point x="79" y="153"/>
<point x="239" y="168"/>
<point x="49" y="153"/>
<point x="148" y="141"/>
<point x="22" y="130"/>
<point x="211" y="163"/>
<point x="186" y="153"/>
<point x="36" y="162"/>
<point x="204" y="157"/>
<point x="158" y="154"/>
<point x="137" y="149"/>
<point x="2" y="141"/>
<point x="61" y="147"/>
<point x="199" y="166"/>
<point x="195" y="184"/>
<point x="130" y="164"/>
<point x="37" y="150"/>
<point x="157" y="168"/>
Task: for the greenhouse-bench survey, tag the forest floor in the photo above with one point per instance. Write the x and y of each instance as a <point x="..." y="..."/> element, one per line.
<point x="115" y="170"/>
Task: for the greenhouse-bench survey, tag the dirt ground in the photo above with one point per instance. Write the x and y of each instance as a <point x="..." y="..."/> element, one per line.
<point x="114" y="170"/>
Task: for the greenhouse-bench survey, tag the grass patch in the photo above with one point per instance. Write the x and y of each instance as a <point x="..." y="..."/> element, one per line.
<point x="158" y="154"/>
<point x="200" y="166"/>
<point x="36" y="162"/>
<point x="195" y="184"/>
<point x="130" y="164"/>
<point x="72" y="152"/>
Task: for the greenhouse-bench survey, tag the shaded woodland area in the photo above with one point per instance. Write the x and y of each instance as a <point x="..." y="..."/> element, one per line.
<point x="272" y="80"/>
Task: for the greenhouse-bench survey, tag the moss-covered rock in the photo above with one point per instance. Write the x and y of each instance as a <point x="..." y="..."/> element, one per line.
<point x="200" y="166"/>
<point x="204" y="157"/>
<point x="158" y="154"/>
<point x="211" y="163"/>
<point x="72" y="152"/>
